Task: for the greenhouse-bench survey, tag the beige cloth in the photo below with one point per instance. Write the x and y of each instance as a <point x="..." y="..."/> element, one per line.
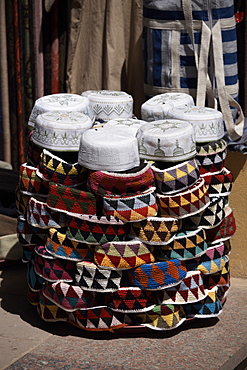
<point x="105" y="47"/>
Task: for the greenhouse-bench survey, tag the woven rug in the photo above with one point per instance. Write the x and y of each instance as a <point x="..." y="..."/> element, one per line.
<point x="155" y="230"/>
<point x="187" y="203"/>
<point x="124" y="183"/>
<point x="65" y="199"/>
<point x="123" y="255"/>
<point x="95" y="229"/>
<point x="158" y="275"/>
<point x="186" y="245"/>
<point x="41" y="216"/>
<point x="59" y="245"/>
<point x="131" y="208"/>
<point x="176" y="178"/>
<point x="55" y="169"/>
<point x="51" y="268"/>
<point x="91" y="277"/>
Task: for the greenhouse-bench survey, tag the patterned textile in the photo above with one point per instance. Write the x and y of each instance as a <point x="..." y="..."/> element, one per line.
<point x="95" y="229"/>
<point x="176" y="178"/>
<point x="189" y="290"/>
<point x="219" y="183"/>
<point x="192" y="222"/>
<point x="51" y="268"/>
<point x="28" y="253"/>
<point x="124" y="183"/>
<point x="123" y="255"/>
<point x="30" y="183"/>
<point x="34" y="151"/>
<point x="211" y="162"/>
<point x="223" y="291"/>
<point x="91" y="277"/>
<point x="99" y="318"/>
<point x="39" y="215"/>
<point x="29" y="234"/>
<point x="64" y="199"/>
<point x="187" y="203"/>
<point x="161" y="317"/>
<point x="155" y="230"/>
<point x="35" y="282"/>
<point x="225" y="230"/>
<point x="212" y="147"/>
<point x="55" y="169"/>
<point x="218" y="278"/>
<point x="71" y="297"/>
<point x="59" y="245"/>
<point x="131" y="208"/>
<point x="186" y="245"/>
<point x="49" y="311"/>
<point x="208" y="307"/>
<point x="213" y="260"/>
<point x="158" y="275"/>
<point x="21" y="201"/>
<point x="214" y="214"/>
<point x="132" y="300"/>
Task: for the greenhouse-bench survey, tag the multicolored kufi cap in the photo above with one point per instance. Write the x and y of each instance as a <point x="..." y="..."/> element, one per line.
<point x="214" y="214"/>
<point x="95" y="229"/>
<point x="29" y="234"/>
<point x="210" y="306"/>
<point x="49" y="311"/>
<point x="34" y="281"/>
<point x="51" y="268"/>
<point x="176" y="178"/>
<point x="34" y="151"/>
<point x="223" y="291"/>
<point x="133" y="300"/>
<point x="41" y="216"/>
<point x="219" y="278"/>
<point x="212" y="147"/>
<point x="131" y="208"/>
<point x="187" y="203"/>
<point x="211" y="162"/>
<point x="121" y="183"/>
<point x="71" y="297"/>
<point x="99" y="318"/>
<point x="161" y="317"/>
<point x="59" y="245"/>
<point x="65" y="199"/>
<point x="158" y="275"/>
<point x="123" y="255"/>
<point x="91" y="277"/>
<point x="186" y="245"/>
<point x="55" y="169"/>
<point x="21" y="201"/>
<point x="30" y="183"/>
<point x="28" y="253"/>
<point x="213" y="260"/>
<point x="189" y="290"/>
<point x="155" y="230"/>
<point x="219" y="184"/>
<point x="225" y="230"/>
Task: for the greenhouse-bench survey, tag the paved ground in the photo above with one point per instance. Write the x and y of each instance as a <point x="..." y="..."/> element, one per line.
<point x="29" y="343"/>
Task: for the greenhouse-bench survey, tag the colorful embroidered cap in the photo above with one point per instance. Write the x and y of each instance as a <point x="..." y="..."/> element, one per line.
<point x="189" y="290"/>
<point x="187" y="203"/>
<point x="34" y="281"/>
<point x="28" y="253"/>
<point x="52" y="268"/>
<point x="166" y="141"/>
<point x="219" y="184"/>
<point x="212" y="147"/>
<point x="157" y="275"/>
<point x="49" y="311"/>
<point x="155" y="230"/>
<point x="91" y="277"/>
<point x="225" y="230"/>
<point x="60" y="246"/>
<point x="55" y="169"/>
<point x="41" y="216"/>
<point x="29" y="234"/>
<point x="95" y="229"/>
<point x="70" y="297"/>
<point x="219" y="278"/>
<point x="132" y="300"/>
<point x="211" y="162"/>
<point x="130" y="182"/>
<point x="30" y="183"/>
<point x="131" y="208"/>
<point x="186" y="245"/>
<point x="21" y="201"/>
<point x="33" y="151"/>
<point x="214" y="214"/>
<point x="65" y="199"/>
<point x="123" y="255"/>
<point x="176" y="178"/>
<point x="210" y="306"/>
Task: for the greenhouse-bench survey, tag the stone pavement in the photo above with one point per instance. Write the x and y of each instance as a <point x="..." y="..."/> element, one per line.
<point x="29" y="343"/>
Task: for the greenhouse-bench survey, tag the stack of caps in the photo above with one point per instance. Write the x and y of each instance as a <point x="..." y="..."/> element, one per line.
<point x="119" y="237"/>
